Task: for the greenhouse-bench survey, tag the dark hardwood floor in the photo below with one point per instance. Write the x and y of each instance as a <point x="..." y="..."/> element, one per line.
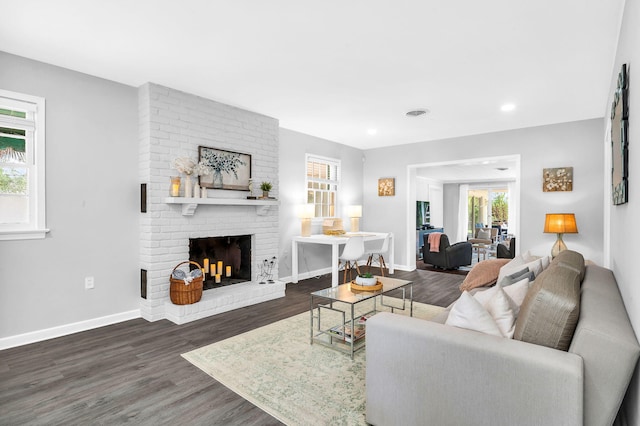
<point x="132" y="372"/>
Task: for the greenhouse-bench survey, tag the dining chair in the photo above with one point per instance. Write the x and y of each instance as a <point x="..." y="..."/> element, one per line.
<point x="375" y="250"/>
<point x="352" y="251"/>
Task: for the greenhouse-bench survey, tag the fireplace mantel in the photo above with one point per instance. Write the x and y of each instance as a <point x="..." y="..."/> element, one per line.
<point x="189" y="205"/>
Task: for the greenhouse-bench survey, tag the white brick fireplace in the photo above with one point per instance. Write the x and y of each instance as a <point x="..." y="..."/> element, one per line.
<point x="173" y="124"/>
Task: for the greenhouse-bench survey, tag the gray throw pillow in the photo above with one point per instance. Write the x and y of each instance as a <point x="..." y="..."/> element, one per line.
<point x="517" y="276"/>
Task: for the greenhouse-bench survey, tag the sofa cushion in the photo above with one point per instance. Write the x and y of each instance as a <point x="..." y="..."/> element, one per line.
<point x="468" y="313"/>
<point x="572" y="260"/>
<point x="550" y="311"/>
<point x="483" y="273"/>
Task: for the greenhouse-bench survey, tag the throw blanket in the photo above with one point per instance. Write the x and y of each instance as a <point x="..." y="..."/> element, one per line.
<point x="434" y="242"/>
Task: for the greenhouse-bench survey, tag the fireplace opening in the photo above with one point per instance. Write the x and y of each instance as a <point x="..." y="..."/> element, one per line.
<point x="226" y="260"/>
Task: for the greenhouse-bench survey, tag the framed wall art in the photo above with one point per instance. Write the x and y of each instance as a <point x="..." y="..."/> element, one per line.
<point x="619" y="142"/>
<point x="557" y="179"/>
<point x="230" y="170"/>
<point x="386" y="187"/>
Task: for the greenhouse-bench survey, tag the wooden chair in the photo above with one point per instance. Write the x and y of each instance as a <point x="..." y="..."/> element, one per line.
<point x="493" y="236"/>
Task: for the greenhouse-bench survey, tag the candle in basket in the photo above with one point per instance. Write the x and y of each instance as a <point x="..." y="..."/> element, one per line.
<point x="220" y="266"/>
<point x="206" y="266"/>
<point x="203" y="273"/>
<point x="228" y="271"/>
<point x="217" y="278"/>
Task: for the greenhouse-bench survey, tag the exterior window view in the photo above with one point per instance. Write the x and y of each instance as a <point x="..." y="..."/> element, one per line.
<point x="13" y="174"/>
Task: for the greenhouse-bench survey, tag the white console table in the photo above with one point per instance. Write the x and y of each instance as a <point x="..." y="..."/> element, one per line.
<point x="335" y="242"/>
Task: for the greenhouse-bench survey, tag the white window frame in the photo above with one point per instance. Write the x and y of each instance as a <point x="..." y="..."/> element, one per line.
<point x="34" y="124"/>
<point x="334" y="162"/>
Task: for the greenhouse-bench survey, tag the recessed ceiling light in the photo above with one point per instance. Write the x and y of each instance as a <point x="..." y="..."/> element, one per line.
<point x="417" y="112"/>
<point x="372" y="131"/>
<point x="508" y="107"/>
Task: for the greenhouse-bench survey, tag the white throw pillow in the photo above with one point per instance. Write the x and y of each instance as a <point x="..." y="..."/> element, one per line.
<point x="468" y="313"/>
<point x="528" y="257"/>
<point x="546" y="261"/>
<point x="517" y="292"/>
<point x="484" y="235"/>
<point x="500" y="310"/>
<point x="501" y="307"/>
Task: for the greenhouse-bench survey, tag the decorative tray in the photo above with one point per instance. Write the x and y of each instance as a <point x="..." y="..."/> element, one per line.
<point x="375" y="287"/>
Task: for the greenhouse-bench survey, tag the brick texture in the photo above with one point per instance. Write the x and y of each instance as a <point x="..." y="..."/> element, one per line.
<point x="174" y="124"/>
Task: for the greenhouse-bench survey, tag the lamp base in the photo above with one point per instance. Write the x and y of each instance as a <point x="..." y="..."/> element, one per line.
<point x="355" y="224"/>
<point x="305" y="230"/>
<point x="558" y="246"/>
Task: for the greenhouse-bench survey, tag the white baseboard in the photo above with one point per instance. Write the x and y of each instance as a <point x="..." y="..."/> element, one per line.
<point x="64" y="330"/>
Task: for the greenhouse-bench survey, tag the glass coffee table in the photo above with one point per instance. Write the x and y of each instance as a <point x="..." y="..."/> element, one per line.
<point x="345" y="311"/>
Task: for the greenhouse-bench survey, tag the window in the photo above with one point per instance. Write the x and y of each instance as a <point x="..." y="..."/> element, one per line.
<point x="488" y="207"/>
<point x="323" y="180"/>
<point x="22" y="192"/>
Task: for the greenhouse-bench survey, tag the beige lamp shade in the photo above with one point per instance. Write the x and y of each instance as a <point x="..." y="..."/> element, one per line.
<point x="355" y="213"/>
<point x="560" y="223"/>
<point x="306" y="212"/>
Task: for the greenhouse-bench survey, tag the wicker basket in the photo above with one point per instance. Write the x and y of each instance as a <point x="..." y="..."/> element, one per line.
<point x="182" y="294"/>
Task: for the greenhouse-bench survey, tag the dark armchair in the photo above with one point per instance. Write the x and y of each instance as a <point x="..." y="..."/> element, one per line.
<point x="506" y="250"/>
<point x="449" y="256"/>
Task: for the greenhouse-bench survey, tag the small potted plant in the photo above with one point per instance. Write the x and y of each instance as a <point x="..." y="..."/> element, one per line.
<point x="266" y="187"/>
<point x="366" y="279"/>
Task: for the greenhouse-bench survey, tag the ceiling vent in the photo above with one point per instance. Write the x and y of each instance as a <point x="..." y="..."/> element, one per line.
<point x="417" y="112"/>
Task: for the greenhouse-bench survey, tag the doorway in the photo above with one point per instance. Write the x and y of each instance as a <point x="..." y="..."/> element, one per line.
<point x="451" y="176"/>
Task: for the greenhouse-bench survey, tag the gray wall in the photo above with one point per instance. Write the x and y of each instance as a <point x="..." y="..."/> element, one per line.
<point x="576" y="144"/>
<point x="92" y="204"/>
<point x="625" y="232"/>
<point x="293" y="148"/>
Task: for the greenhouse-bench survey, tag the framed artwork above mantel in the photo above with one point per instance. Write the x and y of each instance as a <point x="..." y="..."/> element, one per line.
<point x="231" y="170"/>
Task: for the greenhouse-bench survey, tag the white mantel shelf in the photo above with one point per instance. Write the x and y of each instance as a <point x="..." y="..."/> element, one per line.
<point x="189" y="205"/>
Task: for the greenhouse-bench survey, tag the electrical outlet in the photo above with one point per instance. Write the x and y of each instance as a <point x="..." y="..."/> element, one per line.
<point x="88" y="283"/>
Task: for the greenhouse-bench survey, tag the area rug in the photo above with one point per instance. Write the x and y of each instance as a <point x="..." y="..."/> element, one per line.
<point x="275" y="368"/>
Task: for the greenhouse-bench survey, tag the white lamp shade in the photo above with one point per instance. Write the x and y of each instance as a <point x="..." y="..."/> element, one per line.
<point x="354" y="211"/>
<point x="306" y="211"/>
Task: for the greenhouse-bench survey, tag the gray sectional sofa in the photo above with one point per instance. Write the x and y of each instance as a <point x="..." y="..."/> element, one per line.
<point x="426" y="373"/>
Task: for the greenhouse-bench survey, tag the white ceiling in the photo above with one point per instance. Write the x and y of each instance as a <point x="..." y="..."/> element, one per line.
<point x="496" y="169"/>
<point x="337" y="68"/>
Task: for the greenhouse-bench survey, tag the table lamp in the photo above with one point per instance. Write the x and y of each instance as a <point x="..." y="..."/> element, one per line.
<point x="355" y="213"/>
<point x="560" y="223"/>
<point x="306" y="212"/>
